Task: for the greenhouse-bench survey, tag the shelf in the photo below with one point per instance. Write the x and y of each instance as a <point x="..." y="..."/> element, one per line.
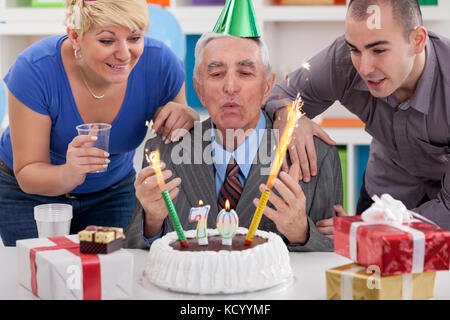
<point x="46" y="21"/>
<point x="196" y="20"/>
<point x="302" y="13"/>
<point x="273" y="13"/>
<point x="193" y="19"/>
<point x="353" y="136"/>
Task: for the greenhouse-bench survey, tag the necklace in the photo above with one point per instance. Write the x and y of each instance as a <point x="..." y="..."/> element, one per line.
<point x="87" y="86"/>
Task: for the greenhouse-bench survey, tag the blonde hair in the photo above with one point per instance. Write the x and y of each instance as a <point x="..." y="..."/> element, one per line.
<point x="81" y="15"/>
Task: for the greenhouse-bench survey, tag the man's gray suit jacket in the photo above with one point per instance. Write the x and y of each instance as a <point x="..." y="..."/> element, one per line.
<point x="191" y="160"/>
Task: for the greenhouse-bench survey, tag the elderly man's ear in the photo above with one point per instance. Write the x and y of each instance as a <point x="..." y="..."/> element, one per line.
<point x="197" y="89"/>
<point x="269" y="85"/>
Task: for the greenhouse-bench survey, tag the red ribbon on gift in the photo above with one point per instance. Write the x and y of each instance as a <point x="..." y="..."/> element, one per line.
<point x="92" y="288"/>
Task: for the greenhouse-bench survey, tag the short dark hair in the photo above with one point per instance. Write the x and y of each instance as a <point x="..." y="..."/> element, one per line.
<point x="407" y="11"/>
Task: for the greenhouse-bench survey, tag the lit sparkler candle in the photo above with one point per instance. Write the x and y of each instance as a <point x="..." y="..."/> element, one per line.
<point x="227" y="224"/>
<point x="294" y="113"/>
<point x="200" y="214"/>
<point x="173" y="216"/>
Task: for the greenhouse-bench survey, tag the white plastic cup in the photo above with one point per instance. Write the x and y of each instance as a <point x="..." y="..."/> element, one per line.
<point x="53" y="219"/>
<point x="101" y="130"/>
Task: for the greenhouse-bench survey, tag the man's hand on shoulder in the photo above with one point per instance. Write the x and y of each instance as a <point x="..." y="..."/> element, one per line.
<point x="302" y="149"/>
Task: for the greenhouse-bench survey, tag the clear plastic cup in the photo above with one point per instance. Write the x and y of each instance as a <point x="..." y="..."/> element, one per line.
<point x="53" y="219"/>
<point x="101" y="130"/>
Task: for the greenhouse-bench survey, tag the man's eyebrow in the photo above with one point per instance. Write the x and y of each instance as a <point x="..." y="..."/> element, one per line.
<point x="370" y="45"/>
<point x="376" y="43"/>
<point x="349" y="44"/>
<point x="214" y="64"/>
<point x="247" y="63"/>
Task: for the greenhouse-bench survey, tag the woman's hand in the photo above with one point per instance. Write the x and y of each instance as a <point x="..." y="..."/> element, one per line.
<point x="82" y="157"/>
<point x="174" y="120"/>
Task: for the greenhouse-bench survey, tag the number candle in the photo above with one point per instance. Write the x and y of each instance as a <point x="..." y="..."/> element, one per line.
<point x="200" y="214"/>
<point x="227" y="224"/>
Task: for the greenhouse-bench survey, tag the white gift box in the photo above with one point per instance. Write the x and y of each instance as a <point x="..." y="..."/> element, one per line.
<point x="59" y="273"/>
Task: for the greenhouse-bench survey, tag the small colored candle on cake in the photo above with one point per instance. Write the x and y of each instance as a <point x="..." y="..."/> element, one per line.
<point x="173" y="216"/>
<point x="227" y="224"/>
<point x="200" y="214"/>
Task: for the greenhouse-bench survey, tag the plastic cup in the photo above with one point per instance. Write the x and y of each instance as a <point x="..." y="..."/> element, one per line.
<point x="53" y="219"/>
<point x="101" y="130"/>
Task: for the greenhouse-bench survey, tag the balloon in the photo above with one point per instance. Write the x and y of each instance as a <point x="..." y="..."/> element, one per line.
<point x="2" y="102"/>
<point x="165" y="27"/>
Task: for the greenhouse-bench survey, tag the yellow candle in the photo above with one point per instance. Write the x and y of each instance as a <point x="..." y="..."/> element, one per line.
<point x="294" y="113"/>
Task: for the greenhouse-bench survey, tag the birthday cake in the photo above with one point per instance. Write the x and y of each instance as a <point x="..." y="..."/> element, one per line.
<point x="218" y="268"/>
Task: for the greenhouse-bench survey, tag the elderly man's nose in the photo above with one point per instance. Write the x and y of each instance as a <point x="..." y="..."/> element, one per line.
<point x="231" y="85"/>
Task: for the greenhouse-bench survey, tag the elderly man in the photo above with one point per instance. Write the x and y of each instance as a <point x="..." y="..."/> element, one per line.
<point x="233" y="80"/>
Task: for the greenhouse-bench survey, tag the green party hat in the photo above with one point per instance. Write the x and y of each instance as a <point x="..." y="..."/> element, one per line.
<point x="238" y="19"/>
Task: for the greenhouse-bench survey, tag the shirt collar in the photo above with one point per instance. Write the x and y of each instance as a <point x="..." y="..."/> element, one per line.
<point x="244" y="153"/>
<point x="422" y="96"/>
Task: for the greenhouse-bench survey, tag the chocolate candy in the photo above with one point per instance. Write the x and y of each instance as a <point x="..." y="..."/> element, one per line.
<point x="95" y="239"/>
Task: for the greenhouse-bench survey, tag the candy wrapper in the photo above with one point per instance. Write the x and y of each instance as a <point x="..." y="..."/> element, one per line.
<point x="390" y="239"/>
<point x="54" y="268"/>
<point x="354" y="282"/>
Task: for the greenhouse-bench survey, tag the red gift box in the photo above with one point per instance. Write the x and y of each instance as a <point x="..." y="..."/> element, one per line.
<point x="54" y="268"/>
<point x="90" y="263"/>
<point x="391" y="248"/>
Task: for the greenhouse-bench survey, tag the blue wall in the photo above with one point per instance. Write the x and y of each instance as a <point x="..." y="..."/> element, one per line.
<point x="2" y="101"/>
<point x="361" y="157"/>
<point x="191" y="95"/>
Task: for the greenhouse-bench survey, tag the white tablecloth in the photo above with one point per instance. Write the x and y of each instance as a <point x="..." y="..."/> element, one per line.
<point x="308" y="281"/>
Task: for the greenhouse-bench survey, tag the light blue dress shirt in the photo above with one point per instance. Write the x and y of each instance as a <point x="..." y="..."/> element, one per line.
<point x="244" y="154"/>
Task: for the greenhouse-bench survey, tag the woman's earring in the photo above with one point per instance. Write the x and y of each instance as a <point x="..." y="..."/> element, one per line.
<point x="77" y="54"/>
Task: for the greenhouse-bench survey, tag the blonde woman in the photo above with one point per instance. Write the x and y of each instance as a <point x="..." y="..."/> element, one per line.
<point x="103" y="70"/>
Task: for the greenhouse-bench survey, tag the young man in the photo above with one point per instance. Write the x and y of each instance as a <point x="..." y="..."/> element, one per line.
<point x="393" y="74"/>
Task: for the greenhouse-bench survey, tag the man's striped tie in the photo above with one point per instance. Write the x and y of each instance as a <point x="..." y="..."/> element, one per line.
<point x="231" y="188"/>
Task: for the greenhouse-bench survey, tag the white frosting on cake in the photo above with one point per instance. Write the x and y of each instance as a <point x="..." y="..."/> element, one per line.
<point x="208" y="272"/>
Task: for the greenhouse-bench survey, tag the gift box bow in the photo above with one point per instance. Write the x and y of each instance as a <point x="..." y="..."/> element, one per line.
<point x="387" y="210"/>
<point x="390" y="211"/>
<point x="90" y="267"/>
